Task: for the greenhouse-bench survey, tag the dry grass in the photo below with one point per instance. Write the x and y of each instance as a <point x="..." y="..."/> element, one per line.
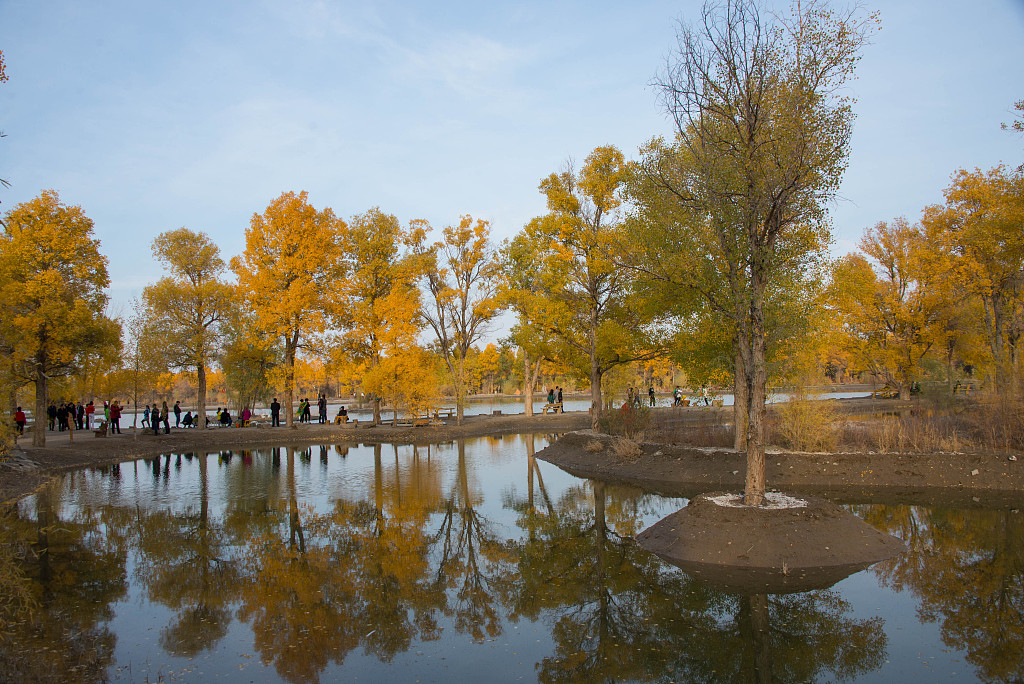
<point x="626" y="449"/>
<point x="594" y="446"/>
<point x="705" y="429"/>
<point x="935" y="424"/>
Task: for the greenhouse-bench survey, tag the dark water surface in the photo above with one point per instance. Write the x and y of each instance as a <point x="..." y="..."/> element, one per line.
<point x="459" y="562"/>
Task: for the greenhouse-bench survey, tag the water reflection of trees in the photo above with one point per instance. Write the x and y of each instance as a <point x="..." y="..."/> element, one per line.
<point x="322" y="584"/>
<point x="967" y="568"/>
<point x="185" y="564"/>
<point x="73" y="573"/>
<point x="411" y="554"/>
<point x="620" y="613"/>
<point x="470" y="556"/>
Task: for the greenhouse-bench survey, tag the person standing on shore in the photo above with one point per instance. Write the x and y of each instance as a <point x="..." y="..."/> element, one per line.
<point x="115" y="418"/>
<point x="90" y="409"/>
<point x="650" y="393"/>
<point x="321" y="406"/>
<point x="145" y="416"/>
<point x="165" y="415"/>
<point x="19" y="420"/>
<point x="177" y="414"/>
<point x="155" y="417"/>
<point x="275" y="413"/>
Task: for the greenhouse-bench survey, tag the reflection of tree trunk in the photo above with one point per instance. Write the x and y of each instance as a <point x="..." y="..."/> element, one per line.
<point x="295" y="532"/>
<point x="378" y="479"/>
<point x="755" y="620"/>
<point x="43" y="540"/>
<point x="398" y="478"/>
<point x="543" y="490"/>
<point x="600" y="578"/>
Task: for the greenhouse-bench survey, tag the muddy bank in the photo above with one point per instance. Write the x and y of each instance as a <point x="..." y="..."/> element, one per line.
<point x="31" y="466"/>
<point x="931" y="479"/>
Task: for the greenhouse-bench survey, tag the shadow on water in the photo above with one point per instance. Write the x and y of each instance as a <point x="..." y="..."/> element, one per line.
<point x="460" y="561"/>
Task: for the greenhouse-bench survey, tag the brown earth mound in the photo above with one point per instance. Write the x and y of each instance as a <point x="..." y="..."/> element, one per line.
<point x="788" y="545"/>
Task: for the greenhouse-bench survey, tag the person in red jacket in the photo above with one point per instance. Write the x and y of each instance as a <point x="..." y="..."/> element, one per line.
<point x="19" y="420"/>
<point x="115" y="418"/>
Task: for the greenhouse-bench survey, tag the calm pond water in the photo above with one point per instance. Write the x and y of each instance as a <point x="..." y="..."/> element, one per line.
<point x="466" y="561"/>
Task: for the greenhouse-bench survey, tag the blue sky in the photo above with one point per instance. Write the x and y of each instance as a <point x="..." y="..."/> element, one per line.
<point x="153" y="116"/>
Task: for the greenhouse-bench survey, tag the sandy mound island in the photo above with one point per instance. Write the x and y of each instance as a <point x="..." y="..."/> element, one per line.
<point x="788" y="544"/>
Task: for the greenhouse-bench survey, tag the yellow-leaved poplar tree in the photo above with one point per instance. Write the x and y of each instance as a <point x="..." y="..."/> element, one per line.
<point x="184" y="310"/>
<point x="979" y="230"/>
<point x="890" y="304"/>
<point x="287" y="275"/>
<point x="577" y="291"/>
<point x="379" y="296"/>
<point x="461" y="276"/>
<point x="53" y="283"/>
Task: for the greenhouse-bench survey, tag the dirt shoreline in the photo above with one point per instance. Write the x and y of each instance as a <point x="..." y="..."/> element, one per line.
<point x="852" y="477"/>
<point x="961" y="479"/>
<point x="30" y="467"/>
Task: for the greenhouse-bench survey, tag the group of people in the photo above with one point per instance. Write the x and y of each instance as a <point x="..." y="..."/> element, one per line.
<point x="69" y="416"/>
<point x="555" y="395"/>
<point x="152" y="417"/>
<point x="634" y="398"/>
<point x="304" y="413"/>
<point x="704" y="396"/>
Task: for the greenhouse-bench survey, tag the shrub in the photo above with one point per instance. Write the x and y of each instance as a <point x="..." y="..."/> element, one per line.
<point x="808" y="424"/>
<point x="628" y="421"/>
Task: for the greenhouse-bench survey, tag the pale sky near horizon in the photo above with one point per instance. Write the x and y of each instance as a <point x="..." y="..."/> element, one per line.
<point x="153" y="116"/>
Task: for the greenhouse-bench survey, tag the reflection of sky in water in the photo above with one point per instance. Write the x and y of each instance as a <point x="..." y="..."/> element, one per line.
<point x="242" y="486"/>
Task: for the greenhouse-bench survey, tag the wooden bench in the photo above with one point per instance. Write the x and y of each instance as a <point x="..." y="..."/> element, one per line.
<point x="427" y="420"/>
<point x="554" y="408"/>
<point x="100" y="430"/>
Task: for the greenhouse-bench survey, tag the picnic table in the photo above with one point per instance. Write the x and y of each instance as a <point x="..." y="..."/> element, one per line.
<point x="554" y="407"/>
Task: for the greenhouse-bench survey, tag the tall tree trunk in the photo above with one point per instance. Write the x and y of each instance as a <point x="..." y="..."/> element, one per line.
<point x="595" y="393"/>
<point x="527" y="385"/>
<point x="994" y="327"/>
<point x="289" y="392"/>
<point x="201" y="399"/>
<point x="757" y="379"/>
<point x="949" y="365"/>
<point x="595" y="375"/>
<point x="39" y="429"/>
<point x="739" y="402"/>
<point x="460" y="389"/>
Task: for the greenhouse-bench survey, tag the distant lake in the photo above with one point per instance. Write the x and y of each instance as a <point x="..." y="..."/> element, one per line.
<point x="508" y="405"/>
